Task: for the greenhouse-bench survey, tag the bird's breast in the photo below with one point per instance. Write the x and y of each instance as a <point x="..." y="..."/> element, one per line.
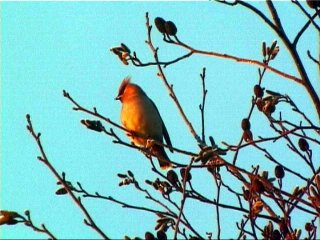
<point x="139" y="115"/>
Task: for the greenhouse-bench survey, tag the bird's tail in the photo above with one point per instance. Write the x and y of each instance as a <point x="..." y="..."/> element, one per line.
<point x="164" y="161"/>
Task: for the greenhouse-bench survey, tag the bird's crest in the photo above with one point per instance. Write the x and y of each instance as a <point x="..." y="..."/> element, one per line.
<point x="123" y="85"/>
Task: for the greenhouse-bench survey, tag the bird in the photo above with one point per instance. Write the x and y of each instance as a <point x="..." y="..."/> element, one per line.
<point x="140" y="116"/>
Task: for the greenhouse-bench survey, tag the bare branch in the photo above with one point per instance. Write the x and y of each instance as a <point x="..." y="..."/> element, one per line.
<point x="313" y="59"/>
<point x="169" y="87"/>
<point x="311" y="19"/>
<point x="303" y="29"/>
<point x="202" y="105"/>
<point x="76" y="200"/>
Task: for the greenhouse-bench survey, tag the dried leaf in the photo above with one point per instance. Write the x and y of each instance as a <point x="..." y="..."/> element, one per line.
<point x="257" y="208"/>
<point x="8" y="217"/>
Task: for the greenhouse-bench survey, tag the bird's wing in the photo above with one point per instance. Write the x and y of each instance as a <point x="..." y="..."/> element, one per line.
<point x="166" y="136"/>
<point x="165" y="131"/>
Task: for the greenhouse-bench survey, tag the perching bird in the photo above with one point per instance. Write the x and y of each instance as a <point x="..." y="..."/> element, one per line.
<point x="140" y="116"/>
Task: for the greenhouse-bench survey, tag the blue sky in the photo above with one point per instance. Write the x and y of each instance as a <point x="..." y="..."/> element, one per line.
<point x="50" y="46"/>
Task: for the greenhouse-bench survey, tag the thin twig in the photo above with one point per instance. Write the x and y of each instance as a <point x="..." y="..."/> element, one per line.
<point x="96" y="114"/>
<point x="253" y="104"/>
<point x="218" y="184"/>
<point x="184" y="197"/>
<point x="237" y="59"/>
<point x="89" y="220"/>
<point x="295" y="56"/>
<point x="304" y="79"/>
<point x="273" y="139"/>
<point x="167" y="211"/>
<point x="168" y="86"/>
<point x="307" y="14"/>
<point x="136" y="61"/>
<point x="303" y="29"/>
<point x="29" y="223"/>
<point x="202" y="106"/>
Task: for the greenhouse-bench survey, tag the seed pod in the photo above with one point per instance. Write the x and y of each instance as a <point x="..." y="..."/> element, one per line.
<point x="313" y="3"/>
<point x="265" y="174"/>
<point x="297" y="233"/>
<point x="268" y="109"/>
<point x="161" y="235"/>
<point x="273" y="45"/>
<point x="116" y="50"/>
<point x="61" y="191"/>
<point x="148" y="182"/>
<point x="8" y="217"/>
<point x="264" y="49"/>
<point x="303" y="145"/>
<point x="276" y="235"/>
<point x="257" y="186"/>
<point x="12" y="222"/>
<point x="308" y="227"/>
<point x="258" y="91"/>
<point x="155" y="185"/>
<point x="172" y="177"/>
<point x="92" y="125"/>
<point x="246" y="194"/>
<point x="130" y="174"/>
<point x="247" y="136"/>
<point x="297" y="191"/>
<point x="260" y="104"/>
<point x="183" y="172"/>
<point x="125" y="62"/>
<point x="149" y="236"/>
<point x="245" y="124"/>
<point x="275" y="52"/>
<point x="279" y="171"/>
<point x="120" y="175"/>
<point x="125" y="48"/>
<point x="160" y="22"/>
<point x="171" y="28"/>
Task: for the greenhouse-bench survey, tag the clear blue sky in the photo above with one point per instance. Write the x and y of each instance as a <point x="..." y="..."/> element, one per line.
<point x="50" y="46"/>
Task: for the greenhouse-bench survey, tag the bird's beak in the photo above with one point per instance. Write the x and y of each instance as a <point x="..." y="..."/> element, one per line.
<point x="118" y="97"/>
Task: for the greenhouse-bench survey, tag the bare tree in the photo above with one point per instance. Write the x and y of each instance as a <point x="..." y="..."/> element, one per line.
<point x="267" y="210"/>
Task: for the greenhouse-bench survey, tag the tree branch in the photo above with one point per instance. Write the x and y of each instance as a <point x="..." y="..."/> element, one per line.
<point x="169" y="87"/>
<point x="76" y="200"/>
<point x="303" y="29"/>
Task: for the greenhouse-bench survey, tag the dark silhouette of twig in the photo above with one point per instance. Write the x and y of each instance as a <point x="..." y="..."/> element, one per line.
<point x="311" y="19"/>
<point x="184" y="197"/>
<point x="313" y="59"/>
<point x="202" y="105"/>
<point x="303" y="29"/>
<point x="278" y="28"/>
<point x="43" y="158"/>
<point x="234" y="58"/>
<point x="168" y="86"/>
<point x="29" y="223"/>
